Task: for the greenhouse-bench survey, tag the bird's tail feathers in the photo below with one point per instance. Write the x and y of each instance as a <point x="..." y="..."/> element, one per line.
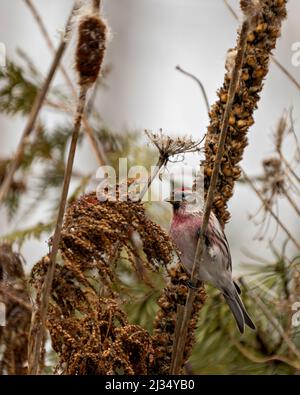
<point x="239" y="311"/>
<point x="248" y="320"/>
<point x="236" y="311"/>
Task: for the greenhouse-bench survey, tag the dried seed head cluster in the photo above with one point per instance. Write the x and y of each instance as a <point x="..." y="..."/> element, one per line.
<point x="14" y="295"/>
<point x="92" y="36"/>
<point x="89" y="331"/>
<point x="164" y="326"/>
<point x="274" y="177"/>
<point x="260" y="43"/>
<point x="168" y="146"/>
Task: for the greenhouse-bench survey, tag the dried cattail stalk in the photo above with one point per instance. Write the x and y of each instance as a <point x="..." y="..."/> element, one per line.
<point x="261" y="41"/>
<point x="14" y="295"/>
<point x="90" y="52"/>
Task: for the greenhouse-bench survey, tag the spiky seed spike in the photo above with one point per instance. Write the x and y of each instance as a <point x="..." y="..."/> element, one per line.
<point x="92" y="35"/>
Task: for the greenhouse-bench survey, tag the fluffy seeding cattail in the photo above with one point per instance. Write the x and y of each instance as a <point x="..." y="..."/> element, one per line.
<point x="92" y="35"/>
<point x="261" y="40"/>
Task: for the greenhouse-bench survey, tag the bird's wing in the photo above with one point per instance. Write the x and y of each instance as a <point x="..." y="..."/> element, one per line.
<point x="217" y="236"/>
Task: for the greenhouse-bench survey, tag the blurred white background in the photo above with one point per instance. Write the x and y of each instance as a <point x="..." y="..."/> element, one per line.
<point x="149" y="38"/>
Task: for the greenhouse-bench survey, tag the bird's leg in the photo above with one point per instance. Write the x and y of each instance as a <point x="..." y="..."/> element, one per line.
<point x="192" y="285"/>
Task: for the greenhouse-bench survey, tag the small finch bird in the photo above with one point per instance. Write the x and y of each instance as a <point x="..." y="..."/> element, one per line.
<point x="216" y="267"/>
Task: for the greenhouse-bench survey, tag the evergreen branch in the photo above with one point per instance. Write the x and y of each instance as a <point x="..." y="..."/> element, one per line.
<point x="36" y="231"/>
<point x="38" y="103"/>
<point x="272" y="320"/>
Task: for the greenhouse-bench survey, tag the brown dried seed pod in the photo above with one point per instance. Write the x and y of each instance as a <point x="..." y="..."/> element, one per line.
<point x="92" y="35"/>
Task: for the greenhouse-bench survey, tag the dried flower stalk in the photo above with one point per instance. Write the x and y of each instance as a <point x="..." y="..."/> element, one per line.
<point x="178" y="357"/>
<point x="89" y="57"/>
<point x="261" y="41"/>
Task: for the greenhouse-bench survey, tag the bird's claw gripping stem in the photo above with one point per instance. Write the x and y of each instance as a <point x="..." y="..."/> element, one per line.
<point x="192" y="285"/>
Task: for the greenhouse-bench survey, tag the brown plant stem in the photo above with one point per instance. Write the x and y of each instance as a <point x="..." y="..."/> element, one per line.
<point x="289" y="167"/>
<point x="37" y="342"/>
<point x="37" y="105"/>
<point x="278" y="64"/>
<point x="160" y="163"/>
<point x="192" y="76"/>
<point x="179" y="350"/>
<point x="96" y="145"/>
<point x="292" y="203"/>
<point x="269" y="209"/>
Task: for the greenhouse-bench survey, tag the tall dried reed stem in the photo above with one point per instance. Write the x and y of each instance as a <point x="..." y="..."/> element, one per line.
<point x="89" y="58"/>
<point x="37" y="105"/>
<point x="182" y="333"/>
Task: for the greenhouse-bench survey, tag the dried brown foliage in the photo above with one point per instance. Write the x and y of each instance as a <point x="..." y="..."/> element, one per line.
<point x="14" y="295"/>
<point x="88" y="328"/>
<point x="260" y="43"/>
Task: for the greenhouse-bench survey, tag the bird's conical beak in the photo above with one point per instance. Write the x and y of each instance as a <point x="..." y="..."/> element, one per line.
<point x="169" y="200"/>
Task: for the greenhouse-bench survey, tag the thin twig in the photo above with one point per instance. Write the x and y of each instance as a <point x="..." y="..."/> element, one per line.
<point x="281" y="67"/>
<point x="179" y="350"/>
<point x="34" y="363"/>
<point x="269" y="209"/>
<point x="289" y="167"/>
<point x="292" y="203"/>
<point x="6" y="290"/>
<point x="160" y="163"/>
<point x="37" y="105"/>
<point x="286" y="72"/>
<point x="272" y="320"/>
<point x="96" y="146"/>
<point x="199" y="83"/>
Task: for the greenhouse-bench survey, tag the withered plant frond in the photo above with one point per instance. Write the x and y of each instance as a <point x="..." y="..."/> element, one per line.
<point x="15" y="297"/>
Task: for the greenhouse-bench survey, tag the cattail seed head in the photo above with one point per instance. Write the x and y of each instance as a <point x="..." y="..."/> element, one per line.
<point x="92" y="36"/>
